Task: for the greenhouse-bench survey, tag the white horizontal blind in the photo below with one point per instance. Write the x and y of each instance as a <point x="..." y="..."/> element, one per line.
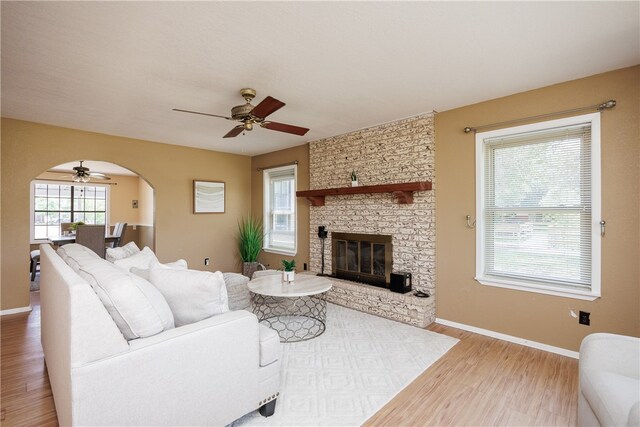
<point x="538" y="207"/>
<point x="280" y="209"/>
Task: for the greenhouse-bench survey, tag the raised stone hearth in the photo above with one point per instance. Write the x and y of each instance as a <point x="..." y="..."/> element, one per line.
<point x="397" y="152"/>
<point x="405" y="308"/>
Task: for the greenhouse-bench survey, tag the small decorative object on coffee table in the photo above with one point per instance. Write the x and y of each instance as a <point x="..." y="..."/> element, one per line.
<point x="297" y="311"/>
<point x="289" y="273"/>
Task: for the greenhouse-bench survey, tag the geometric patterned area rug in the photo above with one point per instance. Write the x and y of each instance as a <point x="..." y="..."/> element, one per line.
<point x="352" y="370"/>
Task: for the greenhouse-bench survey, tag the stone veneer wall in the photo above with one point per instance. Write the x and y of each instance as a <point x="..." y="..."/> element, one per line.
<point x="397" y="152"/>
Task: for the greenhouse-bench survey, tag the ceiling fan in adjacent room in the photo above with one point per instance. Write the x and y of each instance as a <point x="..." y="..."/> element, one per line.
<point x="82" y="174"/>
<point x="248" y="115"/>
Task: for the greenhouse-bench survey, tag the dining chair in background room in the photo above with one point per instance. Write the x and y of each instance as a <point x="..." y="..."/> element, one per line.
<point x="35" y="262"/>
<point x="118" y="230"/>
<point x="65" y="227"/>
<point x="92" y="236"/>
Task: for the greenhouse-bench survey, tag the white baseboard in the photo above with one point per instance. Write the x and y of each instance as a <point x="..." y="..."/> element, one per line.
<point x="15" y="310"/>
<point x="509" y="338"/>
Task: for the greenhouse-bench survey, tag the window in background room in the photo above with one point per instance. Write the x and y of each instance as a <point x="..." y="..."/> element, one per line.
<point x="280" y="209"/>
<point x="538" y="207"/>
<point x="56" y="203"/>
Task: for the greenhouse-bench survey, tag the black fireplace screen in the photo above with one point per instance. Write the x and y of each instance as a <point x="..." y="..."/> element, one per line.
<point x="362" y="257"/>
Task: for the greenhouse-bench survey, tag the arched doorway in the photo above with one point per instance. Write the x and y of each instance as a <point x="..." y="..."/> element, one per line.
<point x="58" y="197"/>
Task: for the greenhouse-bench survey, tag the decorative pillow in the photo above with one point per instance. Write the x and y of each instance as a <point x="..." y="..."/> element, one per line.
<point x="135" y="305"/>
<point x="143" y="259"/>
<point x="122" y="252"/>
<point x="192" y="295"/>
<point x="180" y="264"/>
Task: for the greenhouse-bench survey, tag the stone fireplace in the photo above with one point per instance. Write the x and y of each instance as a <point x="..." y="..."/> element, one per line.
<point x="397" y="152"/>
<point x="365" y="258"/>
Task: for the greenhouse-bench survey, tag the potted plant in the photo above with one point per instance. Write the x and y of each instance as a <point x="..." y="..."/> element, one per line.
<point x="74" y="225"/>
<point x="289" y="272"/>
<point x="249" y="244"/>
<point x="354" y="178"/>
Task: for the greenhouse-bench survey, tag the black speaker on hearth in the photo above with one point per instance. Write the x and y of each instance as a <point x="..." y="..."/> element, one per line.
<point x="400" y="282"/>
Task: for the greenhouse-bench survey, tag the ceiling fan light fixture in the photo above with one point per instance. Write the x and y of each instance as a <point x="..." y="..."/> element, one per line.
<point x="248" y="115"/>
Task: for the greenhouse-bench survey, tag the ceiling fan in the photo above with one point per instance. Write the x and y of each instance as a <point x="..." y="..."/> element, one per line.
<point x="248" y="115"/>
<point x="82" y="174"/>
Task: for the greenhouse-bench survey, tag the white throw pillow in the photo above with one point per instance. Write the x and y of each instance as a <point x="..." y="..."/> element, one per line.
<point x="192" y="295"/>
<point x="122" y="252"/>
<point x="135" y="305"/>
<point x="143" y="259"/>
<point x="180" y="264"/>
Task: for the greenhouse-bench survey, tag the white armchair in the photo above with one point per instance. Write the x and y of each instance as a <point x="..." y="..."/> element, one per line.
<point x="609" y="392"/>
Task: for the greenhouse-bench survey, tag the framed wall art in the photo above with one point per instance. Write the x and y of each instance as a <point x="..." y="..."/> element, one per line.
<point x="208" y="197"/>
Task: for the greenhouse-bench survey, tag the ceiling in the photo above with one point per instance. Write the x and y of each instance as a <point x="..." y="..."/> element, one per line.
<point x="120" y="67"/>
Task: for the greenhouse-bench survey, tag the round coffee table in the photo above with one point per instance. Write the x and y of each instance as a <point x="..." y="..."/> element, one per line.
<point x="296" y="310"/>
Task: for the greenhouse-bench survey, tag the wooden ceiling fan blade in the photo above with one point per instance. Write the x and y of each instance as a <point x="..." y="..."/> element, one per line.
<point x="282" y="127"/>
<point x="202" y="114"/>
<point x="234" y="132"/>
<point x="268" y="106"/>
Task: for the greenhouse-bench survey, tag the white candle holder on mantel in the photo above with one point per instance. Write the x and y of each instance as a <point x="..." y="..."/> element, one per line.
<point x="354" y="179"/>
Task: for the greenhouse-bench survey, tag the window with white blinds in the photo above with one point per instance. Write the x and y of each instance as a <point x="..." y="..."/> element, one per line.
<point x="538" y="211"/>
<point x="280" y="210"/>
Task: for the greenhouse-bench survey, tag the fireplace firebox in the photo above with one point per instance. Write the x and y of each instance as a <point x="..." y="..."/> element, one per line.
<point x="366" y="258"/>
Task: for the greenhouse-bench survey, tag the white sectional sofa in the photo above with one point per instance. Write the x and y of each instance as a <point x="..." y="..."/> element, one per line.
<point x="609" y="381"/>
<point x="210" y="372"/>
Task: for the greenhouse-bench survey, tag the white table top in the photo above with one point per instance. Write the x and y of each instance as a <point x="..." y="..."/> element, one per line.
<point x="303" y="285"/>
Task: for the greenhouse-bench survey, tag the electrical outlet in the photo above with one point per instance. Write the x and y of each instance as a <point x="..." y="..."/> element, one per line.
<point x="207" y="261"/>
<point x="583" y="318"/>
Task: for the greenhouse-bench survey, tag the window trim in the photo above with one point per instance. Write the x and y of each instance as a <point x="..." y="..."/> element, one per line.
<point x="32" y="186"/>
<point x="266" y="183"/>
<point x="596" y="210"/>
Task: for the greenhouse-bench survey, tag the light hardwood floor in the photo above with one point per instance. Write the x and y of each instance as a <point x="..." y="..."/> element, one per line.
<point x="483" y="381"/>
<point x="480" y="382"/>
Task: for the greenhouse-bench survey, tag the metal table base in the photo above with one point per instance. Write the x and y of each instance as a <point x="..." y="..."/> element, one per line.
<point x="294" y="318"/>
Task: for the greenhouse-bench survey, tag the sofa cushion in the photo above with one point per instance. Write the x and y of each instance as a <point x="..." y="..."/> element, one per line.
<point x="611" y="396"/>
<point x="76" y="255"/>
<point x="135" y="305"/>
<point x="143" y="259"/>
<point x="121" y="252"/>
<point x="192" y="295"/>
<point x="269" y="345"/>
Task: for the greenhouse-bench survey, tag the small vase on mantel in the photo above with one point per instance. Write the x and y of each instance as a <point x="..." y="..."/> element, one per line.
<point x="354" y="178"/>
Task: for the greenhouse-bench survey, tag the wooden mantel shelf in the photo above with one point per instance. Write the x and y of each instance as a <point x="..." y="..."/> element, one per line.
<point x="403" y="192"/>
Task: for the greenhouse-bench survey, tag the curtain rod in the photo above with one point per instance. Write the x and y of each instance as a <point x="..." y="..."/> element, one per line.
<point x="277" y="166"/>
<point x="599" y="107"/>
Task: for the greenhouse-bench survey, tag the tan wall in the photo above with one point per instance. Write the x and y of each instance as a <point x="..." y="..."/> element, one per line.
<point x="121" y="194"/>
<point x="28" y="149"/>
<point x="301" y="154"/>
<point x="145" y="203"/>
<point x="537" y="317"/>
